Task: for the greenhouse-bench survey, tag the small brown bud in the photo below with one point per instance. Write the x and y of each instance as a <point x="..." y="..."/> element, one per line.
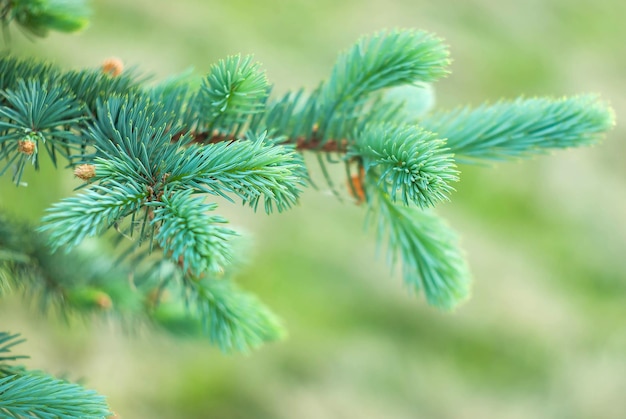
<point x="356" y="186"/>
<point x="27" y="147"/>
<point x="112" y="66"/>
<point x="85" y="171"/>
<point x="104" y="301"/>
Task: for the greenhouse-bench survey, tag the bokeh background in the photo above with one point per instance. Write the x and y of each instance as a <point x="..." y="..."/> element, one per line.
<point x="544" y="334"/>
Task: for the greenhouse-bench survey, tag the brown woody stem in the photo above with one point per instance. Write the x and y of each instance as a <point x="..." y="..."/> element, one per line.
<point x="302" y="143"/>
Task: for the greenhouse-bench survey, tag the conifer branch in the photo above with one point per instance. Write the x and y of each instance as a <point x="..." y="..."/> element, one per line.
<point x="87" y="214"/>
<point x="232" y="319"/>
<point x="432" y="260"/>
<point x="197" y="241"/>
<point x="522" y="127"/>
<point x="250" y="169"/>
<point x="33" y="394"/>
<point x="233" y="90"/>
<point x="407" y="161"/>
<point x="7" y="341"/>
<point x="36" y="116"/>
<point x="42" y="396"/>
<point x="78" y="281"/>
<point x="94" y="84"/>
<point x="13" y="69"/>
<point x="148" y="153"/>
<point x="377" y="62"/>
<point x="38" y="107"/>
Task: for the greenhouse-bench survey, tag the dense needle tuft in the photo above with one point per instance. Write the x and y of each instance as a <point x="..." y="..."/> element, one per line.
<point x="410" y="164"/>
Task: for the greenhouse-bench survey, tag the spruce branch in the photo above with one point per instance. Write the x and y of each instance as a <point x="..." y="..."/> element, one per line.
<point x="42" y="396"/>
<point x="234" y="89"/>
<point x="38" y="107"/>
<point x="147" y="154"/>
<point x="408" y="162"/>
<point x="432" y="260"/>
<point x="134" y="129"/>
<point x="233" y="320"/>
<point x="33" y="394"/>
<point x="133" y="144"/>
<point x="215" y="308"/>
<point x="384" y="60"/>
<point x="178" y="96"/>
<point x="7" y="341"/>
<point x="195" y="240"/>
<point x="294" y="115"/>
<point x="35" y="116"/>
<point x="94" y="84"/>
<point x="250" y="169"/>
<point x="13" y="69"/>
<point x="87" y="214"/>
<point x="522" y="127"/>
<point x="139" y="169"/>
<point x="81" y="281"/>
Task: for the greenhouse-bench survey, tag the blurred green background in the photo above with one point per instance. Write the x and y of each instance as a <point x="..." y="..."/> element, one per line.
<point x="544" y="334"/>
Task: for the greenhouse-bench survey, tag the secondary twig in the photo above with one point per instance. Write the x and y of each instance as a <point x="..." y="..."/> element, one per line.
<point x="302" y="143"/>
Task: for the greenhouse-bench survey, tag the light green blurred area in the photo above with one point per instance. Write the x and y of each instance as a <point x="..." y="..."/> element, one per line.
<point x="544" y="334"/>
